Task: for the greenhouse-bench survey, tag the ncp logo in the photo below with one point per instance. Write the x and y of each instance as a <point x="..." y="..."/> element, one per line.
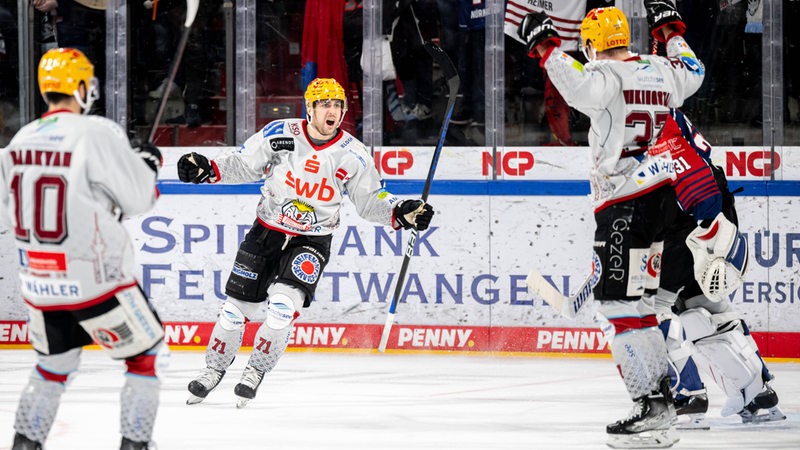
<point x="394" y="162"/>
<point x="758" y="163"/>
<point x="507" y="163"/>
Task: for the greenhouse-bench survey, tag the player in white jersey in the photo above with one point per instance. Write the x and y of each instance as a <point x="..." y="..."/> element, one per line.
<point x="66" y="181"/>
<point x="627" y="98"/>
<point x="307" y="166"/>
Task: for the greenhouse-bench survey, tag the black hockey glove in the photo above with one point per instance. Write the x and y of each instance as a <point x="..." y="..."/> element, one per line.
<point x="661" y="13"/>
<point x="149" y="153"/>
<point x="413" y="214"/>
<point x="194" y="168"/>
<point x="536" y="29"/>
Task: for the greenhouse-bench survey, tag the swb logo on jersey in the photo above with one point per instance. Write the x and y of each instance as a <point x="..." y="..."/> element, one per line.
<point x="305" y="267"/>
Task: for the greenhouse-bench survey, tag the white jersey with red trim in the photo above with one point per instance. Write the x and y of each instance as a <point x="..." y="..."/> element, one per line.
<point x="567" y="16"/>
<point x="66" y="180"/>
<point x="304" y="184"/>
<point x="628" y="102"/>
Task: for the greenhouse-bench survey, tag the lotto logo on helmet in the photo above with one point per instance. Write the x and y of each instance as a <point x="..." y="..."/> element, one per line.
<point x="305" y="267"/>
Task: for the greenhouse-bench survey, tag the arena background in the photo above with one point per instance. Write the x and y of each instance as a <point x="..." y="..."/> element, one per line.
<point x="465" y="288"/>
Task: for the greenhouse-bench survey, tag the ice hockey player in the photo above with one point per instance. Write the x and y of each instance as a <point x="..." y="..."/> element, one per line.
<point x="66" y="181"/>
<point x="707" y="257"/>
<point x="307" y="166"/>
<point x="624" y="94"/>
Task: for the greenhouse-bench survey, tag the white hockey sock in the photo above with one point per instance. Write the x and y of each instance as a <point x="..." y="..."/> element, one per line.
<point x="268" y="347"/>
<point x="138" y="407"/>
<point x="37" y="408"/>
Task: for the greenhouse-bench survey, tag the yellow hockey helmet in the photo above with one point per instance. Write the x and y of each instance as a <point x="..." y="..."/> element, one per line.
<point x="62" y="70"/>
<point x="325" y="89"/>
<point x="605" y="28"/>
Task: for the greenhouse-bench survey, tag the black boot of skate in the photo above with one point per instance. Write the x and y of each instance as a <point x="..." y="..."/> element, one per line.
<point x="767" y="399"/>
<point x="21" y="442"/>
<point x="691" y="411"/>
<point x="204" y="383"/>
<point x="128" y="444"/>
<point x="649" y="425"/>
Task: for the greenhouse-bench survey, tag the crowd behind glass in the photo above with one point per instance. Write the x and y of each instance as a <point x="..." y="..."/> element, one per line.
<point x="247" y="62"/>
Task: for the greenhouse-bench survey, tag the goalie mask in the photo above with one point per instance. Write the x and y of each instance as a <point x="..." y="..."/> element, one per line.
<point x="63" y="70"/>
<point x="324" y="89"/>
<point x="720" y="258"/>
<point x="605" y="28"/>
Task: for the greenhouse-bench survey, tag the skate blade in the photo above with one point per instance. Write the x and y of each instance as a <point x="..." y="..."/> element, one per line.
<point x="691" y="422"/>
<point x="193" y="399"/>
<point x="773" y="414"/>
<point x="241" y="402"/>
<point x="663" y="438"/>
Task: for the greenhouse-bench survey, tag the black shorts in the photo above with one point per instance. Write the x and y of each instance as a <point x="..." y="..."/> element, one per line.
<point x="266" y="256"/>
<point x="125" y="330"/>
<point x="625" y="233"/>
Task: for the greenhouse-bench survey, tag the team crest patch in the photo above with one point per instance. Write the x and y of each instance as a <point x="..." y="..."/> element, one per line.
<point x="105" y="337"/>
<point x="305" y="267"/>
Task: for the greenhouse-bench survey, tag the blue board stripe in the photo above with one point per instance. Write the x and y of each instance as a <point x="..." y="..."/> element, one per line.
<point x="480" y="187"/>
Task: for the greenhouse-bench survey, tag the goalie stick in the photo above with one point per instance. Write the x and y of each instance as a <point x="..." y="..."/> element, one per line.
<point x="191" y="13"/>
<point x="453" y="82"/>
<point x="567" y="306"/>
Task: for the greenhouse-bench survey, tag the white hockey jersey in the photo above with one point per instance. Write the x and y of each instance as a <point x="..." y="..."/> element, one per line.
<point x="304" y="184"/>
<point x="66" y="180"/>
<point x="628" y="102"/>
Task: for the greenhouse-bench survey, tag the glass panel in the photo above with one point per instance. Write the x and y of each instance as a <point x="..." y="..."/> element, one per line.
<point x="9" y="71"/>
<point x="194" y="114"/>
<point x="536" y="114"/>
<point x="728" y="107"/>
<point x="791" y="47"/>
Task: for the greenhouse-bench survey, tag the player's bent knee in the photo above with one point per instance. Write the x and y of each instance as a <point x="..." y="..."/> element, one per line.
<point x="697" y="324"/>
<point x="284" y="301"/>
<point x="231" y="317"/>
<point x="152" y="363"/>
<point x="56" y="368"/>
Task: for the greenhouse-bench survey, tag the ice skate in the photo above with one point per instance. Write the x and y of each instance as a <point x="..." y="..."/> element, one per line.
<point x="246" y="389"/>
<point x="21" y="442"/>
<point x="649" y="425"/>
<point x="766" y="400"/>
<point x="204" y="383"/>
<point x="691" y="412"/>
<point x="128" y="444"/>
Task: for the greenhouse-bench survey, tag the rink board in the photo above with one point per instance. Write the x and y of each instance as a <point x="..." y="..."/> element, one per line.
<point x="465" y="288"/>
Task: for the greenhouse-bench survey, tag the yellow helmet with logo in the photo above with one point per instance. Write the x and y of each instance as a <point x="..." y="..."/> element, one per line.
<point x="62" y="70"/>
<point x="605" y="28"/>
<point x="325" y="89"/>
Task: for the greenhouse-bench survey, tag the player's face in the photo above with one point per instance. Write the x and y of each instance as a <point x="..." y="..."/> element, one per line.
<point x="326" y="116"/>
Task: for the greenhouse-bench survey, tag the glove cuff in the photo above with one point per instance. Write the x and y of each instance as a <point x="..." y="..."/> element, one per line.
<point x="678" y="26"/>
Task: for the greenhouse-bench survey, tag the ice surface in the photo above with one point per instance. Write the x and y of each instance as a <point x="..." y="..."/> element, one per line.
<point x="318" y="400"/>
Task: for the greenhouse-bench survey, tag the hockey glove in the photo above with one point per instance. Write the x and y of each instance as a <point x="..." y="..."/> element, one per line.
<point x="413" y="214"/>
<point x="661" y="13"/>
<point x="537" y="29"/>
<point x="194" y="168"/>
<point x="149" y="153"/>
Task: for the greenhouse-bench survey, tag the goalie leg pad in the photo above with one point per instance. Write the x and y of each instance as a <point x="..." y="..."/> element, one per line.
<point x="729" y="357"/>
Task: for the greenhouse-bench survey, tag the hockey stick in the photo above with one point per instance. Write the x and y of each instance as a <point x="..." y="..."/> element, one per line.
<point x="453" y="82"/>
<point x="191" y="12"/>
<point x="567" y="306"/>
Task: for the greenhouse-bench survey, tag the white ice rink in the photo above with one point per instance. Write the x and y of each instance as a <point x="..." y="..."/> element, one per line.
<point x="317" y="400"/>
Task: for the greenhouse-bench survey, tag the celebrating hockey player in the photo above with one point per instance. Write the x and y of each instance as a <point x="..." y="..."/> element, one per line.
<point x="625" y="96"/>
<point x="307" y="166"/>
<point x="66" y="181"/>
